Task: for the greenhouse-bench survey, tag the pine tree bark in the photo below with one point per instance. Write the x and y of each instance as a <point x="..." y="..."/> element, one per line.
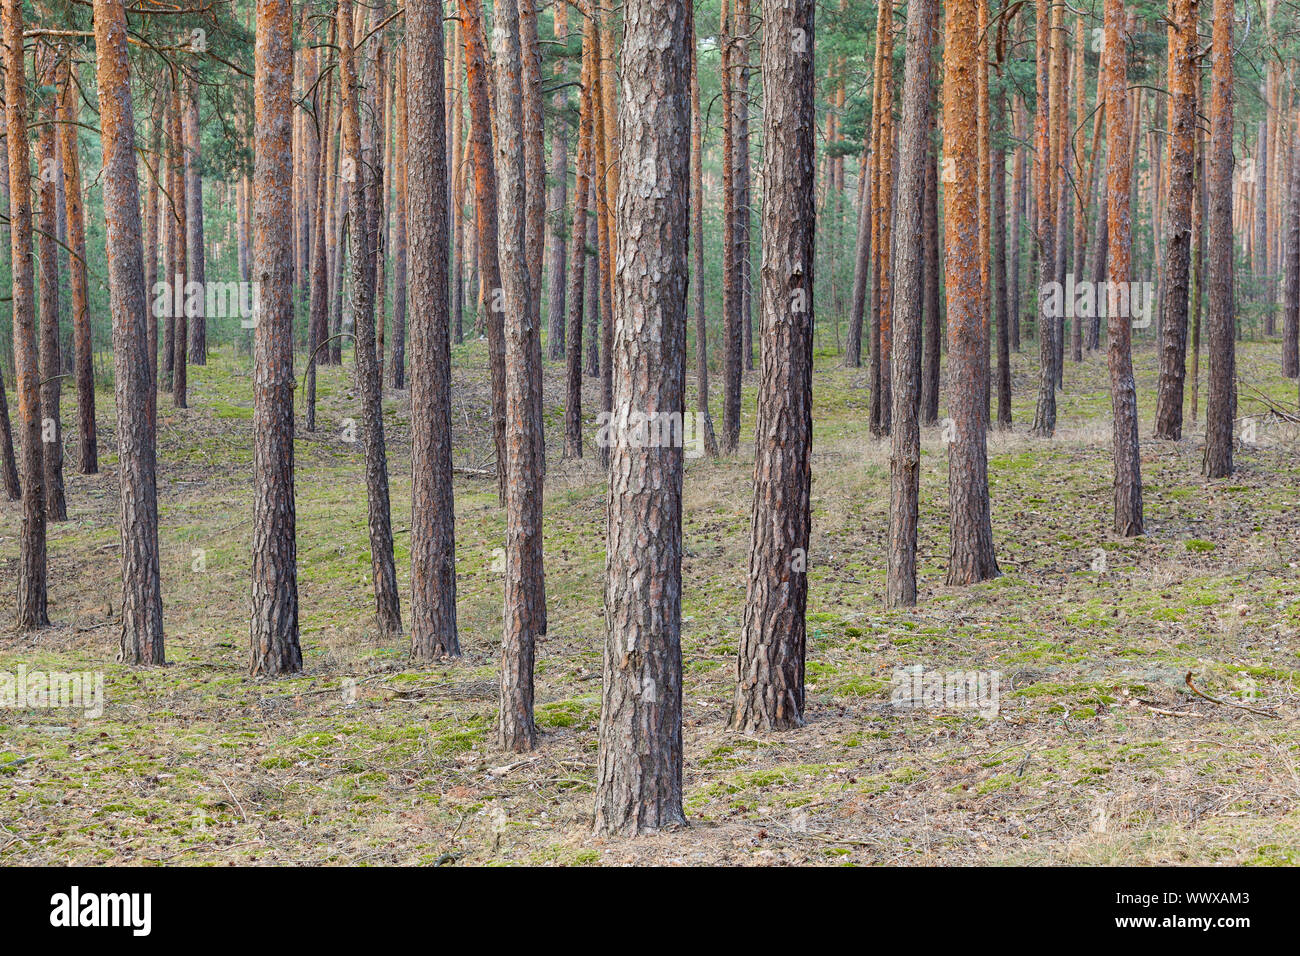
<point x="433" y="514"/>
<point x="318" y="299"/>
<point x="905" y="457"/>
<point x="1119" y="359"/>
<point x="639" y="763"/>
<point x="971" y="535"/>
<point x="141" y="639"/>
<point x="732" y="337"/>
<point x="998" y="265"/>
<point x="383" y="572"/>
<point x="180" y="239"/>
<point x="196" y="269"/>
<point x="69" y="112"/>
<point x="31" y="597"/>
<point x="697" y="252"/>
<point x="558" y="199"/>
<point x="930" y="225"/>
<point x="524" y="617"/>
<point x="1291" y="295"/>
<point x="770" y="662"/>
<point x="578" y="265"/>
<point x="1221" y="405"/>
<point x="1184" y="17"/>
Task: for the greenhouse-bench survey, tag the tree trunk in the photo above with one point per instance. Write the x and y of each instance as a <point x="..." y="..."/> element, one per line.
<point x="318" y="304"/>
<point x="1291" y="304"/>
<point x="770" y="663"/>
<point x="180" y="236"/>
<point x="273" y="629"/>
<point x="31" y="597"/>
<point x="51" y="366"/>
<point x="524" y="618"/>
<point x="142" y="622"/>
<point x="697" y="252"/>
<point x="387" y="610"/>
<point x="971" y="546"/>
<point x="732" y="337"/>
<point x="433" y="514"/>
<point x="485" y="217"/>
<point x="639" y="764"/>
<point x="401" y="258"/>
<point x="1119" y="360"/>
<point x="998" y="267"/>
<point x="1044" y="182"/>
<point x="930" y="225"/>
<point x="905" y="457"/>
<point x="1221" y="406"/>
<point x="69" y="112"/>
<point x="578" y="266"/>
<point x="558" y="200"/>
<point x="196" y="271"/>
<point x="1178" y="257"/>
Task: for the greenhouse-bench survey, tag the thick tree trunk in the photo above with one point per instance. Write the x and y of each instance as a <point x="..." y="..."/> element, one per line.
<point x="905" y="457"/>
<point x="69" y="112"/>
<point x="273" y="629"/>
<point x="31" y="597"/>
<point x="383" y="572"/>
<point x="1178" y="257"/>
<point x="770" y="663"/>
<point x="525" y="616"/>
<point x="1119" y="360"/>
<point x="1221" y="406"/>
<point x="142" y="622"/>
<point x="639" y="764"/>
<point x="433" y="514"/>
<point x="971" y="544"/>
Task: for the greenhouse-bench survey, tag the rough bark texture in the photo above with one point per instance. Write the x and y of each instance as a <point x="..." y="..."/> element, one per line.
<point x="578" y="264"/>
<point x="142" y="621"/>
<point x="697" y="252"/>
<point x="1221" y="405"/>
<point x="31" y="598"/>
<point x="905" y="373"/>
<point x="770" y="662"/>
<point x="273" y="629"/>
<point x="557" y="201"/>
<point x="387" y="612"/>
<point x="1178" y="256"/>
<point x="1119" y="359"/>
<point x="524" y="618"/>
<point x="930" y="224"/>
<point x="433" y="515"/>
<point x="639" y="764"/>
<point x="69" y="112"/>
<point x="971" y="544"/>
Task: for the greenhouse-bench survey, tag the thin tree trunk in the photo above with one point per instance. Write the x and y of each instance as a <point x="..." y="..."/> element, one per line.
<point x="578" y="252"/>
<point x="697" y="252"/>
<point x="558" y="199"/>
<point x="196" y="271"/>
<point x="933" y="334"/>
<point x="401" y="255"/>
<point x="51" y="366"/>
<point x="1044" y="182"/>
<point x="180" y="232"/>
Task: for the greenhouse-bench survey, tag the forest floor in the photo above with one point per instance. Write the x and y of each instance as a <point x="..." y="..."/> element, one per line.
<point x="1099" y="752"/>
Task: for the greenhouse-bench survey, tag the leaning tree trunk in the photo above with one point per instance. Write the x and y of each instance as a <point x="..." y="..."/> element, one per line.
<point x="387" y="609"/>
<point x="1178" y="257"/>
<point x="639" y="764"/>
<point x="142" y="621"/>
<point x="524" y="618"/>
<point x="971" y="544"/>
<point x="770" y="662"/>
<point x="1119" y="359"/>
<point x="273" y="628"/>
<point x="1221" y="405"/>
<point x="69" y="111"/>
<point x="433" y="516"/>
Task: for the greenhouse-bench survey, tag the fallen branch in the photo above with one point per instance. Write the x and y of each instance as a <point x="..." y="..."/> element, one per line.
<point x="1226" y="703"/>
